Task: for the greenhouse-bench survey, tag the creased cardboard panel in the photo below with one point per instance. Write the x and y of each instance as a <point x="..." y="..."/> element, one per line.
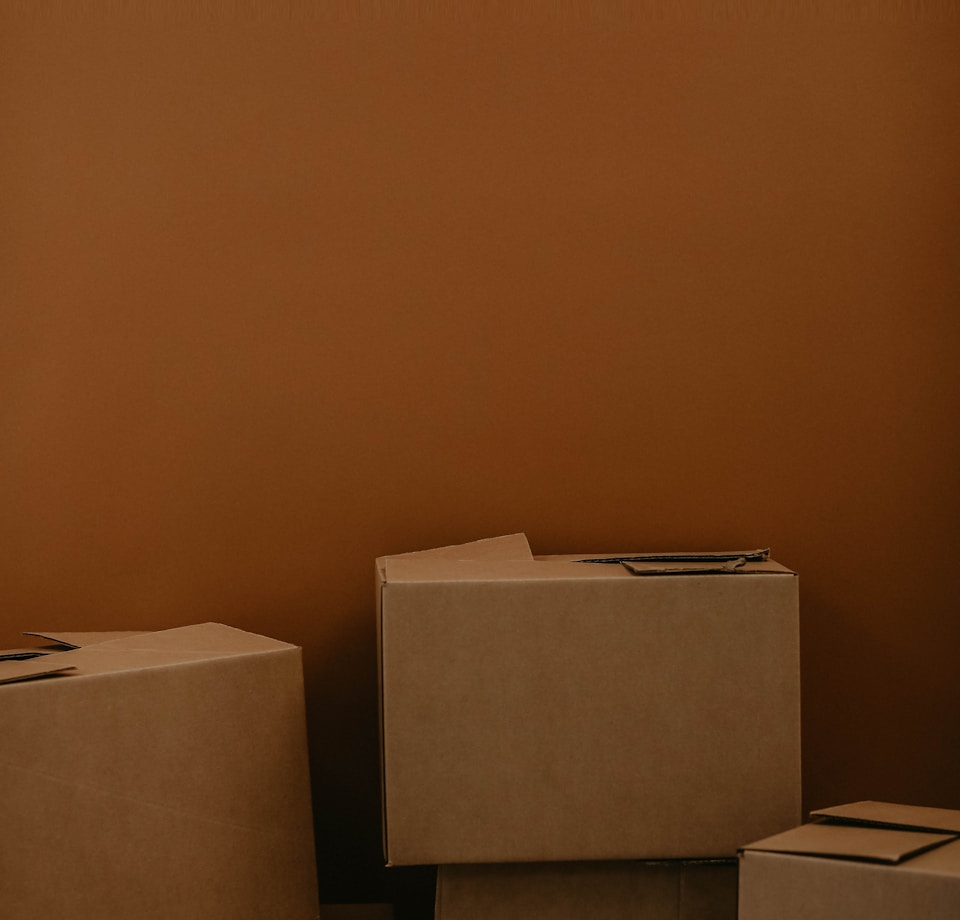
<point x="588" y="891"/>
<point x="167" y="777"/>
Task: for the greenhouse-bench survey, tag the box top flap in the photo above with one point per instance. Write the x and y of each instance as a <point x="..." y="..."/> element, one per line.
<point x="872" y="844"/>
<point x="511" y="546"/>
<point x="740" y="566"/>
<point x="134" y="651"/>
<point x="416" y="570"/>
<point x="202" y="640"/>
<point x="710" y="557"/>
<point x="742" y="562"/>
<point x="12" y="670"/>
<point x="887" y="814"/>
<point x="83" y="639"/>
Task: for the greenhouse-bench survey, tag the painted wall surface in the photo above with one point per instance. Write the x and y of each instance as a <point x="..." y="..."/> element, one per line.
<point x="284" y="291"/>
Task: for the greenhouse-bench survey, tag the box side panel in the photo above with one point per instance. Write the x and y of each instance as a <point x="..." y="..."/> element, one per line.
<point x="560" y="891"/>
<point x="775" y="886"/>
<point x="602" y="719"/>
<point x="161" y="793"/>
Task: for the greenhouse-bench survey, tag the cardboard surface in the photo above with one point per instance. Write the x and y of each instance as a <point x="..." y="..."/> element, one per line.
<point x="540" y="709"/>
<point x="846" y="871"/>
<point x="588" y="891"/>
<point x="893" y="815"/>
<point x="165" y="775"/>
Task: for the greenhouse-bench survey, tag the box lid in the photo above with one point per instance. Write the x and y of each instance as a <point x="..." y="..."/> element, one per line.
<point x="870" y="831"/>
<point x="422" y="568"/>
<point x="888" y="814"/>
<point x="99" y="653"/>
<point x="83" y="639"/>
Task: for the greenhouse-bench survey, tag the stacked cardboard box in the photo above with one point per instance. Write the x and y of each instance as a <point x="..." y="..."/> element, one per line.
<point x="864" y="861"/>
<point x="156" y="775"/>
<point x="583" y="709"/>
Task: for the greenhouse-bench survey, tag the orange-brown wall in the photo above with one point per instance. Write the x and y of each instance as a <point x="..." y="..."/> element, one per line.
<point x="283" y="292"/>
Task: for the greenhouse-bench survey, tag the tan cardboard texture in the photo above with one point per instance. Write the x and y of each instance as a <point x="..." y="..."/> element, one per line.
<point x="673" y="890"/>
<point x="543" y="709"/>
<point x="864" y="861"/>
<point x="164" y="775"/>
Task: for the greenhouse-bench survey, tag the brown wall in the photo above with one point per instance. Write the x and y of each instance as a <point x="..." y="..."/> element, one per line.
<point x="282" y="293"/>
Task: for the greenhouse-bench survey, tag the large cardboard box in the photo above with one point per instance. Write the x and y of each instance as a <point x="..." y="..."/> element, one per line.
<point x="864" y="861"/>
<point x="674" y="890"/>
<point x="562" y="708"/>
<point x="156" y="776"/>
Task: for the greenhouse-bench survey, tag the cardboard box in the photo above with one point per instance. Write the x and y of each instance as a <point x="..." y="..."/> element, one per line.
<point x="551" y="709"/>
<point x="673" y="890"/>
<point x="156" y="776"/>
<point x="865" y="861"/>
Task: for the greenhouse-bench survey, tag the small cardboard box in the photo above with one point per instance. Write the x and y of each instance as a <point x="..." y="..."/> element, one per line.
<point x="154" y="776"/>
<point x="864" y="861"/>
<point x="565" y="708"/>
<point x="674" y="890"/>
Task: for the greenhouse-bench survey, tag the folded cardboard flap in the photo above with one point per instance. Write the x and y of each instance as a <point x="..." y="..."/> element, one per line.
<point x="727" y="567"/>
<point x="756" y="555"/>
<point x="425" y="569"/>
<point x="97" y="652"/>
<point x="24" y="654"/>
<point x="512" y="546"/>
<point x="890" y="815"/>
<point x="13" y="670"/>
<point x="44" y="660"/>
<point x="415" y="569"/>
<point x="868" y="844"/>
<point x="83" y="639"/>
<point x="867" y="831"/>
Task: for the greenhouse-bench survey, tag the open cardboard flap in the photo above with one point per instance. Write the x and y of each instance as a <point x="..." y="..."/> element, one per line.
<point x="510" y="547"/>
<point x="509" y="559"/>
<point x="887" y="814"/>
<point x="870" y="831"/>
<point x="99" y="652"/>
<point x="40" y="661"/>
<point x="83" y="639"/>
<point x="12" y="670"/>
<point x="849" y="842"/>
